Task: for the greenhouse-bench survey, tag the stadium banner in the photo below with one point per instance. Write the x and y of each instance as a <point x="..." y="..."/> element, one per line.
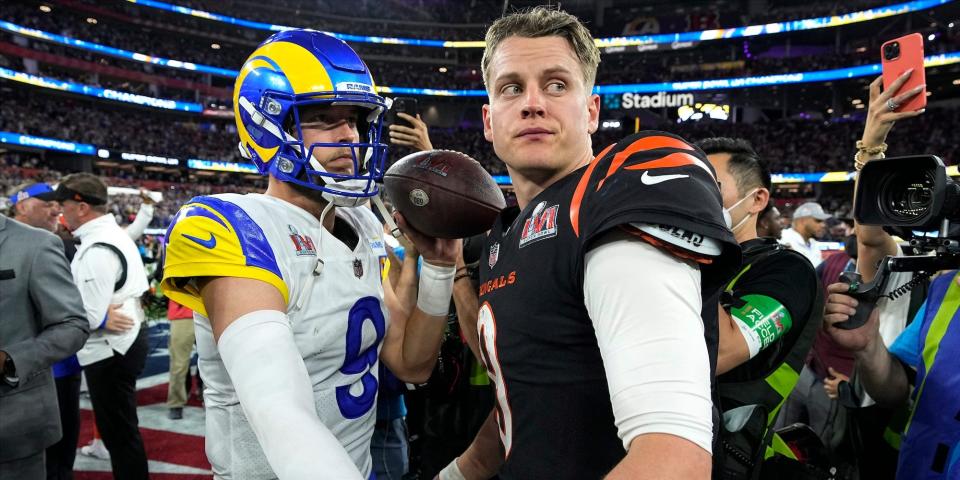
<point x="44" y="143"/>
<point x="200" y="164"/>
<point x="217" y="113"/>
<point x="767" y="80"/>
<point x="91" y="91"/>
<point x="704" y="85"/>
<point x="635" y="89"/>
<point x="651" y="47"/>
<point x="633" y="101"/>
<point x="665" y="38"/>
<point x="821" y="177"/>
<point x="773" y="28"/>
<point x="502" y="179"/>
<point x="115" y="52"/>
<point x="139" y="157"/>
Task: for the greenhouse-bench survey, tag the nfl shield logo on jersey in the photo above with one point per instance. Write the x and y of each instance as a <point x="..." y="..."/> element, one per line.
<point x="494" y="254"/>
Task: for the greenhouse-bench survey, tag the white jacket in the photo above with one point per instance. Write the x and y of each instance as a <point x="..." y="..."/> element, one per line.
<point x="96" y="271"/>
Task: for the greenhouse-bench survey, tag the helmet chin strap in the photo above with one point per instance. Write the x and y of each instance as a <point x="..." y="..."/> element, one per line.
<point x="387" y="218"/>
<point x="357" y="185"/>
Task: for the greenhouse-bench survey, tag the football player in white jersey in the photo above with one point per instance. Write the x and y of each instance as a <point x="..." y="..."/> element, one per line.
<point x="291" y="314"/>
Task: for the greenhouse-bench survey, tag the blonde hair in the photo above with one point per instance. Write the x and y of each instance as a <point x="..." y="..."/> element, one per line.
<point x="544" y="22"/>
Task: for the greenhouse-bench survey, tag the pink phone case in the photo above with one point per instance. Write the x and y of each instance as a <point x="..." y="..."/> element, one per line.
<point x="910" y="56"/>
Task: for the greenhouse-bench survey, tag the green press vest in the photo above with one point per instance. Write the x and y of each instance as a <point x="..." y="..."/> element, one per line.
<point x="751" y="407"/>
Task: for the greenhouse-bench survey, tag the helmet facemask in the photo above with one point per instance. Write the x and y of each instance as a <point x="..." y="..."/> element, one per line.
<point x="296" y="162"/>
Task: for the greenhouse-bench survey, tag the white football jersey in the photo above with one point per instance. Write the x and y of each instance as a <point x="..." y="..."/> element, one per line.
<point x="334" y="301"/>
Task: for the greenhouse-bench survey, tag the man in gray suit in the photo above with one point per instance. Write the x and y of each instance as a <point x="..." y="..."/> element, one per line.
<point x="41" y="322"/>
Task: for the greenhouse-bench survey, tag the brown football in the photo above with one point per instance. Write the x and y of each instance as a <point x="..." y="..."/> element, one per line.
<point x="444" y="194"/>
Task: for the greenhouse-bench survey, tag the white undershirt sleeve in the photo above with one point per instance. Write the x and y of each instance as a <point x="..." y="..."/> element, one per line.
<point x="645" y="307"/>
<point x="140" y="222"/>
<point x="276" y="395"/>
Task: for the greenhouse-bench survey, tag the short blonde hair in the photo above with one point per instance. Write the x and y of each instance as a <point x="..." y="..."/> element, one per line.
<point x="544" y="22"/>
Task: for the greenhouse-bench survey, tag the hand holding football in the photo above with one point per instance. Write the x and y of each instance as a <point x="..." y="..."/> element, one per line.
<point x="444" y="194"/>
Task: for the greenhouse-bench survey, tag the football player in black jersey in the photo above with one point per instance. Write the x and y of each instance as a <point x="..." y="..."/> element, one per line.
<point x="768" y="315"/>
<point x="592" y="288"/>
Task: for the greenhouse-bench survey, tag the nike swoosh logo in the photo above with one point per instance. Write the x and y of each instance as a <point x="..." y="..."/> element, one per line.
<point x="212" y="242"/>
<point x="648" y="179"/>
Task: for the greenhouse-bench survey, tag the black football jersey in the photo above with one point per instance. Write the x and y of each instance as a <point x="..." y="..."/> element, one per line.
<point x="537" y="340"/>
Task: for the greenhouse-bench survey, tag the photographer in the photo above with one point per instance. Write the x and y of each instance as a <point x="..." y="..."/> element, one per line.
<point x="929" y="448"/>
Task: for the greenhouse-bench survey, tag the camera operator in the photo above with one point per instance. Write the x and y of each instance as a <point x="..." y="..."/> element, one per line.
<point x="931" y="442"/>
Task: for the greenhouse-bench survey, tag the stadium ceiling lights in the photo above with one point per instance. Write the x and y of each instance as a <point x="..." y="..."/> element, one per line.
<point x="689" y="86"/>
<point x="115" y="52"/>
<point x="104" y="93"/>
<point x="660" y="39"/>
<point x="715" y="84"/>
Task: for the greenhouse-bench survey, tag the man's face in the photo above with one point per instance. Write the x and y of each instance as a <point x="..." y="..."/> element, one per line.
<point x="72" y="212"/>
<point x="841" y="230"/>
<point x="540" y="115"/>
<point x="331" y="124"/>
<point x="728" y="186"/>
<point x="815" y="228"/>
<point x="39" y="213"/>
<point x="770" y="224"/>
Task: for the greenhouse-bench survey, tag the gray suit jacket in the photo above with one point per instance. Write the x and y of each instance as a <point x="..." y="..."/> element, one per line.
<point x="42" y="321"/>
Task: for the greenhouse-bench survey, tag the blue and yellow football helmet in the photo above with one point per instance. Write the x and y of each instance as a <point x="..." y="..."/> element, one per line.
<point x="297" y="68"/>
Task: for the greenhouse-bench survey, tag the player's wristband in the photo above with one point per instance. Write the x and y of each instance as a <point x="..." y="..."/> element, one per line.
<point x="436" y="288"/>
<point x="451" y="472"/>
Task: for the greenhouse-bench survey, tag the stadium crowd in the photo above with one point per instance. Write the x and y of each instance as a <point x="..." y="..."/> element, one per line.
<point x="785" y="142"/>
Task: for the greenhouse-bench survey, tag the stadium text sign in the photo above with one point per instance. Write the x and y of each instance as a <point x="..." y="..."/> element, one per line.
<point x="139" y="157"/>
<point x="659" y="100"/>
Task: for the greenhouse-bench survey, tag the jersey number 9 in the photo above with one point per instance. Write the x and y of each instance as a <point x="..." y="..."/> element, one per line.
<point x="356" y="361"/>
<point x="488" y="351"/>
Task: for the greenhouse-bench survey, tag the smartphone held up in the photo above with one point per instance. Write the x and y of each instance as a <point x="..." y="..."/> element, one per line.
<point x="896" y="57"/>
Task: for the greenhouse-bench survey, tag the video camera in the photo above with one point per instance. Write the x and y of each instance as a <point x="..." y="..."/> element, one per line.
<point x="912" y="192"/>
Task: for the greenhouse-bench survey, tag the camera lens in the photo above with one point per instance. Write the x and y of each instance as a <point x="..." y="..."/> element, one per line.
<point x="909" y="196"/>
<point x="891" y="50"/>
